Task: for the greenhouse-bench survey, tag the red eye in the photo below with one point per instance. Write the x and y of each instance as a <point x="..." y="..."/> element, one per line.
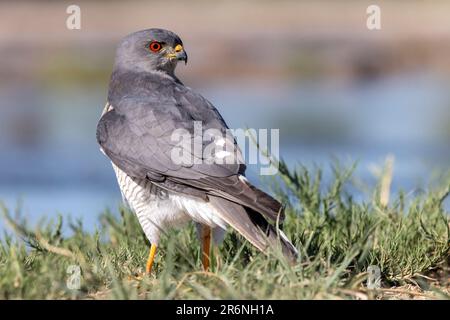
<point x="155" y="46"/>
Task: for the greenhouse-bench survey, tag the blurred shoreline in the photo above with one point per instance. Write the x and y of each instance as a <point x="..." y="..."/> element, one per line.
<point x="309" y="68"/>
<point x="230" y="39"/>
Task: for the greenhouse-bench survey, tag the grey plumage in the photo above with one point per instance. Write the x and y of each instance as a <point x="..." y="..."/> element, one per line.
<point x="148" y="102"/>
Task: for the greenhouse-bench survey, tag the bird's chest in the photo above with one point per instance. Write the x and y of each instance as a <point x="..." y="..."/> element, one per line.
<point x="149" y="201"/>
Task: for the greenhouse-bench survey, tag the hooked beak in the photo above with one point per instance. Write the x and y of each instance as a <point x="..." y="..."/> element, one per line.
<point x="180" y="54"/>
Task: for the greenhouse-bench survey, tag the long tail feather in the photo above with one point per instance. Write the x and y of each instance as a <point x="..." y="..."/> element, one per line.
<point x="253" y="227"/>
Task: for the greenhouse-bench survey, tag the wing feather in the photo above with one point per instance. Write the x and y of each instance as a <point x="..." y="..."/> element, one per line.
<point x="137" y="135"/>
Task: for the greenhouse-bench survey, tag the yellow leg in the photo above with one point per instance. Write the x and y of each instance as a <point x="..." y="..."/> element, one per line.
<point x="151" y="257"/>
<point x="206" y="244"/>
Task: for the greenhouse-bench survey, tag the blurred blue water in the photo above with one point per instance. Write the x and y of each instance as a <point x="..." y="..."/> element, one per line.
<point x="50" y="159"/>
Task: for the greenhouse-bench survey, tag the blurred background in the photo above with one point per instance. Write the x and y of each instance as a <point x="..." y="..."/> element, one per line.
<point x="310" y="68"/>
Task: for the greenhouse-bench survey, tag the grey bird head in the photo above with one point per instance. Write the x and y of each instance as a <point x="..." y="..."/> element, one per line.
<point x="150" y="50"/>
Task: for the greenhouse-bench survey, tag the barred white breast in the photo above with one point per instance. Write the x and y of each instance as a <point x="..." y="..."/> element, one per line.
<point x="158" y="209"/>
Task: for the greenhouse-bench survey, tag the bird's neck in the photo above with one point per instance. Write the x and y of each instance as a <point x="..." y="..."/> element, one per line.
<point x="166" y="73"/>
<point x="126" y="82"/>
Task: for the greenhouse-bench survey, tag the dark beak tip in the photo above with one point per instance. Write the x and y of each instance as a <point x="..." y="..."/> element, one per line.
<point x="182" y="56"/>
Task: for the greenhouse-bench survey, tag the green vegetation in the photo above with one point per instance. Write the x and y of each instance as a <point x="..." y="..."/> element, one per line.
<point x="338" y="239"/>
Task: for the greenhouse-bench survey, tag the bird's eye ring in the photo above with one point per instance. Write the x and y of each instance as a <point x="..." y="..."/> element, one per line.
<point x="155" y="46"/>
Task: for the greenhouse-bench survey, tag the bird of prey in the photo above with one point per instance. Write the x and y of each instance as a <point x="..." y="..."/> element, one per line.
<point x="146" y="104"/>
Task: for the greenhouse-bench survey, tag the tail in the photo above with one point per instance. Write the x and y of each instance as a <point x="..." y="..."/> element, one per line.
<point x="252" y="225"/>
